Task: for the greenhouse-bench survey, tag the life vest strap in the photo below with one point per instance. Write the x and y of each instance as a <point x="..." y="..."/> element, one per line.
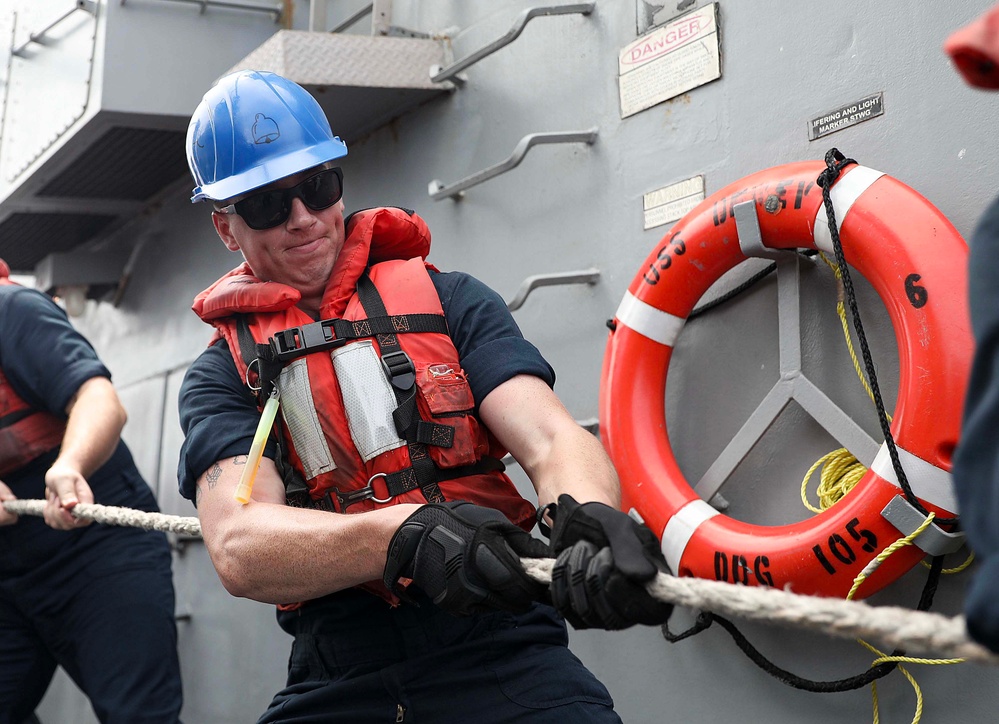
<point x="397" y="483"/>
<point x="325" y="334"/>
<point x="401" y="373"/>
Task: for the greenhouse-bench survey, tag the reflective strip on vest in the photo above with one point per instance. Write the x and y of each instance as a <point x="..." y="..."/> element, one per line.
<point x="368" y="399"/>
<point x="299" y="411"/>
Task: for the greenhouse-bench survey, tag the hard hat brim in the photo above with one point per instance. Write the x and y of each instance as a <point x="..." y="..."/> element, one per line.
<point x="271" y="171"/>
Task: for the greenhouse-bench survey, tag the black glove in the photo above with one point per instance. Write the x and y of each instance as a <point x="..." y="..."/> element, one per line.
<point x="603" y="561"/>
<point x="466" y="558"/>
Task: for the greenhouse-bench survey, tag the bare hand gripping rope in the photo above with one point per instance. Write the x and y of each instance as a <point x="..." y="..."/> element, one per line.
<point x="917" y="632"/>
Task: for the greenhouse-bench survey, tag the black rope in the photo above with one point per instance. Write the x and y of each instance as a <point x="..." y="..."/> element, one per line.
<point x="703" y="621"/>
<point x="835" y="163"/>
<point x="762" y="274"/>
<point x="797" y="682"/>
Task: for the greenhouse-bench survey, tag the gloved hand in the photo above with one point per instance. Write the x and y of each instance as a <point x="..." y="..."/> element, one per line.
<point x="466" y="558"/>
<point x="603" y="561"/>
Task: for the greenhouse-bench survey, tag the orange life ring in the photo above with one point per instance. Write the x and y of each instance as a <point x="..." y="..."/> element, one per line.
<point x="916" y="261"/>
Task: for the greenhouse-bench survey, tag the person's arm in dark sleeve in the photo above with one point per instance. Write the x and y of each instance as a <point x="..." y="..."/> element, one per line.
<point x="93" y="429"/>
<point x="54" y="368"/>
<point x="218" y="414"/>
<point x="976" y="462"/>
<point x="490" y="345"/>
<point x="42" y="355"/>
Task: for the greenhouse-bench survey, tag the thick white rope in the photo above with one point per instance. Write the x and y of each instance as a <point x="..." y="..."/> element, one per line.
<point x="115" y="516"/>
<point x="915" y="632"/>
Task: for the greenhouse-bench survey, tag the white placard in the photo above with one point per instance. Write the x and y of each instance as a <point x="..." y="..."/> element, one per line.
<point x="672" y="202"/>
<point x="669" y="61"/>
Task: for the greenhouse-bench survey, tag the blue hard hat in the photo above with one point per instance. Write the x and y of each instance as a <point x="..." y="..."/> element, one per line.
<point x="253" y="128"/>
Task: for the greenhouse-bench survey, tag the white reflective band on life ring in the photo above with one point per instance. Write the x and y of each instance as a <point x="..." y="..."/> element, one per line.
<point x="928" y="482"/>
<point x="657" y="325"/>
<point x="681" y="527"/>
<point x="847" y="189"/>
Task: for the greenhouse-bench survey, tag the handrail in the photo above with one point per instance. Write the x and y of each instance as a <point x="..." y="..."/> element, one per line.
<point x="89" y="6"/>
<point x="437" y="74"/>
<point x="277" y="10"/>
<point x="586" y="276"/>
<point x="439" y="191"/>
<point x="366" y="10"/>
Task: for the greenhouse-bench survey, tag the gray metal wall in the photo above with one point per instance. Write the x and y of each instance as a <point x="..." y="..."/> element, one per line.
<point x="573" y="207"/>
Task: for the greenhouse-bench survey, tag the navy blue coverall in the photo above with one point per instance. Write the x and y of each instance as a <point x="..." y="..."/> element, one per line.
<point x="97" y="600"/>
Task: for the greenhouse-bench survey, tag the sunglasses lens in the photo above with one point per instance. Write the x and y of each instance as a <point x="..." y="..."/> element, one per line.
<point x="263" y="211"/>
<point x="322" y="190"/>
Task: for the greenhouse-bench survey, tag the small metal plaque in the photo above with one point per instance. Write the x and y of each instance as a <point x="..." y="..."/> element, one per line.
<point x="672" y="202"/>
<point x="849" y="114"/>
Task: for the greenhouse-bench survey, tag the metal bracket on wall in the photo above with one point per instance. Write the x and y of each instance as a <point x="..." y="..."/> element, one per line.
<point x="586" y="276"/>
<point x="439" y="191"/>
<point x="89" y="6"/>
<point x="933" y="540"/>
<point x="792" y="385"/>
<point x="438" y="74"/>
<point x="275" y="10"/>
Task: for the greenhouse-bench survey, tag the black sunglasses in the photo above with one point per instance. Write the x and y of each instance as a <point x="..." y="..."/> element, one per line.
<point x="272" y="208"/>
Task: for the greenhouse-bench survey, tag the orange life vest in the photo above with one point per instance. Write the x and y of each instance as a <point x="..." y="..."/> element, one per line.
<point x="25" y="432"/>
<point x="338" y="401"/>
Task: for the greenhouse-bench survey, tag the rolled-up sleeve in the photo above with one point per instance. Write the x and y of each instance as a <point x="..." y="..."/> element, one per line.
<point x="218" y="415"/>
<point x="490" y="346"/>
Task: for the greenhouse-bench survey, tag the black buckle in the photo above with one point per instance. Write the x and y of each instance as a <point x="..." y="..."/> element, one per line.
<point x="297" y="341"/>
<point x="399" y="369"/>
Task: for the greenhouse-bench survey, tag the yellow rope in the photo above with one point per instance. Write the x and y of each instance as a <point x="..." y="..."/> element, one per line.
<point x="840" y="472"/>
<point x="900" y="543"/>
<point x="957" y="569"/>
<point x="841" y="311"/>
<point x="882" y="656"/>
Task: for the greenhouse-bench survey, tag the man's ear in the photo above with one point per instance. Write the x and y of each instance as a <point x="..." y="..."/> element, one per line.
<point x="223" y="225"/>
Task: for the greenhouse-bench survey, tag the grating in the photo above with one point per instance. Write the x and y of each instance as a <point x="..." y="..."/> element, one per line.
<point x="125" y="163"/>
<point x="26" y="239"/>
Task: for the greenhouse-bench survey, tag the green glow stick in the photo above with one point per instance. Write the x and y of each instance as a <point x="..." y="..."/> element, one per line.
<point x="245" y="486"/>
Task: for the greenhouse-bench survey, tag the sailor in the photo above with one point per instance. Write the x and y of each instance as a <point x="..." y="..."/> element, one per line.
<point x="974" y="50"/>
<point x="380" y="519"/>
<point x="96" y="600"/>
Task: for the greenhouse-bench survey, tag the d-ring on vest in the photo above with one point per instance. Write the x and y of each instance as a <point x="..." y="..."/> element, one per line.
<point x="896" y="239"/>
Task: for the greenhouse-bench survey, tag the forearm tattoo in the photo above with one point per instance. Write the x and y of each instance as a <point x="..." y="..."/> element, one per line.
<point x="213" y="475"/>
